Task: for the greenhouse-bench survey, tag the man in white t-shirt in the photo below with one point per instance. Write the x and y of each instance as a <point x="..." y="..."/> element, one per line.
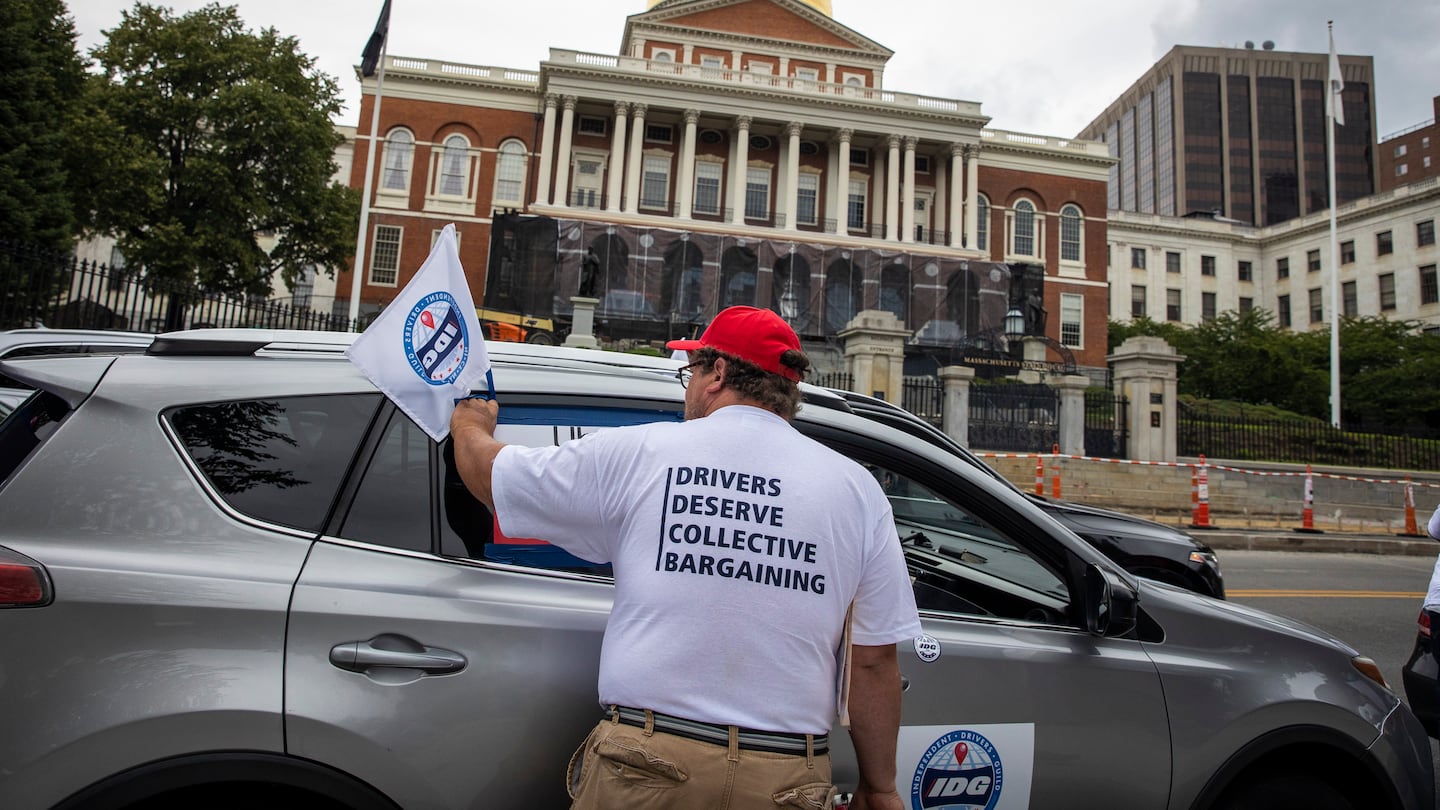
<point x="738" y="547"/>
<point x="1432" y="599"/>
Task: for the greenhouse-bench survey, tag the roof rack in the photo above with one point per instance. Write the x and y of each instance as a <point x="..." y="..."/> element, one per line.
<point x="245" y="342"/>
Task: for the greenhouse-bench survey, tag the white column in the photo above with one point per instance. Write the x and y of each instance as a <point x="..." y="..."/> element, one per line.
<point x="547" y="152"/>
<point x="685" y="173"/>
<point x="562" y="155"/>
<point x="840" y="188"/>
<point x="792" y="176"/>
<point x="632" y="164"/>
<point x="972" y="194"/>
<point x="737" y="170"/>
<point x="940" y="217"/>
<point x="907" y="199"/>
<point x="617" y="158"/>
<point x="892" y="189"/>
<point x="958" y="206"/>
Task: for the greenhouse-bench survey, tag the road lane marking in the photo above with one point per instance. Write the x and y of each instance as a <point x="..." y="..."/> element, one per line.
<point x="1257" y="593"/>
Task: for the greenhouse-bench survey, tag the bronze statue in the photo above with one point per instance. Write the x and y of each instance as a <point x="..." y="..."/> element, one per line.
<point x="589" y="272"/>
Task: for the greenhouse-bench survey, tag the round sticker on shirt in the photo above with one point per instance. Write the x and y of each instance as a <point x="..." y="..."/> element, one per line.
<point x="927" y="648"/>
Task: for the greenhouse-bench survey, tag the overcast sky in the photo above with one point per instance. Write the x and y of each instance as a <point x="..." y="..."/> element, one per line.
<point x="1044" y="66"/>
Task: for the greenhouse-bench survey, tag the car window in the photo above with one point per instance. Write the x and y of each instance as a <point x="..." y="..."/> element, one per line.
<point x="278" y="460"/>
<point x="26" y="427"/>
<point x="392" y="503"/>
<point x="960" y="563"/>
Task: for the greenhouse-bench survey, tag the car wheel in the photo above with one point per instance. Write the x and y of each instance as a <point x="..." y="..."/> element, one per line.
<point x="540" y="338"/>
<point x="1287" y="790"/>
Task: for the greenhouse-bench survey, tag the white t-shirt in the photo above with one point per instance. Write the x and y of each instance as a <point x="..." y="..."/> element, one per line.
<point x="737" y="545"/>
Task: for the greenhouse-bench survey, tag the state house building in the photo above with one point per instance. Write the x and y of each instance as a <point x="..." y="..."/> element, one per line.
<point x="736" y="152"/>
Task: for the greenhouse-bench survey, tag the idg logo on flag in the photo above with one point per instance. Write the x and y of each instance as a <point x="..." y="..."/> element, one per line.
<point x="425" y="350"/>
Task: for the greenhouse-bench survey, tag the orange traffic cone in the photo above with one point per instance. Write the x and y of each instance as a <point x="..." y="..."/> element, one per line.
<point x="1412" y="529"/>
<point x="1039" y="474"/>
<point x="1200" y="495"/>
<point x="1055" y="472"/>
<point x="1307" y="515"/>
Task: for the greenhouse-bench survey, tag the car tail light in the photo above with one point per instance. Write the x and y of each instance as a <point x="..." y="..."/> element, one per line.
<point x="23" y="582"/>
<point x="1424" y="623"/>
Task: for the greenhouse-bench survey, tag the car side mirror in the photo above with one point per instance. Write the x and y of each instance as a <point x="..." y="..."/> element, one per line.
<point x="1109" y="602"/>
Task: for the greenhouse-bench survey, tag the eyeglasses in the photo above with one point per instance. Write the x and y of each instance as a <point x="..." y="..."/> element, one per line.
<point x="684" y="373"/>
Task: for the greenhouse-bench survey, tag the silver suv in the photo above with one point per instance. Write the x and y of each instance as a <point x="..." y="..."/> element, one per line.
<point x="232" y="573"/>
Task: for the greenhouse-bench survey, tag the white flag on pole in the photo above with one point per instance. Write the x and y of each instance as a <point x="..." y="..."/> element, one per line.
<point x="425" y="350"/>
<point x="1337" y="84"/>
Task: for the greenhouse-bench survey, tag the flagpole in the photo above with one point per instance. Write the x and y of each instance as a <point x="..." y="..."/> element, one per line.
<point x="360" y="239"/>
<point x="1335" y="306"/>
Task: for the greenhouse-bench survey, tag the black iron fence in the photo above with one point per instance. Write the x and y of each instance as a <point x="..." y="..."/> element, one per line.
<point x="834" y="379"/>
<point x="924" y="397"/>
<point x="1106" y="432"/>
<point x="43" y="287"/>
<point x="1019" y="417"/>
<point x="1232" y="431"/>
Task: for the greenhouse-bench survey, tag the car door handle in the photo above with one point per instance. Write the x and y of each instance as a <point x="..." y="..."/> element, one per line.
<point x="395" y="652"/>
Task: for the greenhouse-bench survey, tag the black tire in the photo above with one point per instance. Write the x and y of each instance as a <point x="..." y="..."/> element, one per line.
<point x="540" y="338"/>
<point x="1287" y="790"/>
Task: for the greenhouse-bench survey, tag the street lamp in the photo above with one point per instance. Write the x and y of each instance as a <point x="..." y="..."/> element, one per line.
<point x="1014" y="323"/>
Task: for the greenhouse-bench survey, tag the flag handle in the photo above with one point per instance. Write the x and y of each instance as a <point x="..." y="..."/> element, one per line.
<point x="485" y="395"/>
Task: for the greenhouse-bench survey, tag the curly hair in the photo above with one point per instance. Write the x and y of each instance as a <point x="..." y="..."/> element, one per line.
<point x="771" y="391"/>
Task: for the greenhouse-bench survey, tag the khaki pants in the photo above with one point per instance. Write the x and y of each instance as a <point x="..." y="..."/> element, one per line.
<point x="621" y="767"/>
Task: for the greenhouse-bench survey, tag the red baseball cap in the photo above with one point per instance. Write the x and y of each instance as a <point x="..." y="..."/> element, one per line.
<point x="755" y="335"/>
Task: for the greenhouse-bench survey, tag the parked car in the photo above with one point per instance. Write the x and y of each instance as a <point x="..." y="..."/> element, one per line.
<point x="39" y="341"/>
<point x="234" y="573"/>
<point x="1418" y="675"/>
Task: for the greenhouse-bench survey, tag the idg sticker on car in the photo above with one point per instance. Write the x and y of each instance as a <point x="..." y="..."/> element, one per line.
<point x="985" y="767"/>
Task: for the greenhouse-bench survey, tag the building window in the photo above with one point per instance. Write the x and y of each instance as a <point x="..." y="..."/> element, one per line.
<point x="1244" y="272"/>
<point x="659" y="133"/>
<point x="663" y="56"/>
<point x="1317" y="307"/>
<point x="385" y="257"/>
<point x="592" y="125"/>
<point x="655" y="181"/>
<point x="982" y="223"/>
<point x="807" y="74"/>
<point x="1072" y="319"/>
<point x="1384" y="244"/>
<point x="510" y="173"/>
<point x="588" y="174"/>
<point x="1400" y="150"/>
<point x="807" y="194"/>
<point x="711" y="61"/>
<point x="1402" y="169"/>
<point x="1348" y="300"/>
<point x="757" y="192"/>
<point x="922" y="164"/>
<point x="859" y="157"/>
<point x="1282" y="267"/>
<point x="1137" y="258"/>
<point x="1172" y="261"/>
<point x="1137" y="301"/>
<point x="1070" y="233"/>
<point x="1387" y="292"/>
<point x="1023" y="229"/>
<point x="855" y="206"/>
<point x="399" y="149"/>
<point x="1429" y="289"/>
<point x="1207" y="306"/>
<point x="1172" y="305"/>
<point x="1247" y="304"/>
<point x="1347" y="252"/>
<point x="1207" y="265"/>
<point x="707" y="186"/>
<point x="454" y="166"/>
<point x="1312" y="260"/>
<point x="1282" y="310"/>
<point x="1425" y="233"/>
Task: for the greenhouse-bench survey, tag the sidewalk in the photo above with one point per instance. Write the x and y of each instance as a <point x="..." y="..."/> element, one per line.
<point x="1325" y="541"/>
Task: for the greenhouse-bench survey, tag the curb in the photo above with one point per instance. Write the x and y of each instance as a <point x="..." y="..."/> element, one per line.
<point x="1325" y="543"/>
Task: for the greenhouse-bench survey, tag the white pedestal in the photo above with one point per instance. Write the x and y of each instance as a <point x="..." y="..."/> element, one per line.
<point x="582" y="327"/>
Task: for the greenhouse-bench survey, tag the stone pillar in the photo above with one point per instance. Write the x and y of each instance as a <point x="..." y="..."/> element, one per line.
<point x="1145" y="371"/>
<point x="1032" y="351"/>
<point x="892" y="189"/>
<point x="614" y="181"/>
<point x="972" y="196"/>
<point x="685" y="174"/>
<point x="956" y="418"/>
<point x="634" y="161"/>
<point x="957" y="196"/>
<point x="875" y="354"/>
<point x="582" y="324"/>
<point x="1071" y="388"/>
<point x="907" y="198"/>
<point x="940" y="213"/>
<point x="737" y="171"/>
<point x="562" y="155"/>
<point x="840" y="190"/>
<point x="547" y="151"/>
<point x="792" y="176"/>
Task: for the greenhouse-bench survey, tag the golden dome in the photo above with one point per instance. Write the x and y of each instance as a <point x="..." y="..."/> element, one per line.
<point x="822" y="6"/>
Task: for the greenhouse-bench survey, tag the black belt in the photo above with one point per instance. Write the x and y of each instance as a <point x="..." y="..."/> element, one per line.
<point x="774" y="742"/>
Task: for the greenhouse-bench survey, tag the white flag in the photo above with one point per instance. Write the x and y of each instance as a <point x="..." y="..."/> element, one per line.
<point x="425" y="350"/>
<point x="1337" y="83"/>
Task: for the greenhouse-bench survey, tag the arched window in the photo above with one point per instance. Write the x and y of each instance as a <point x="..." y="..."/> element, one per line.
<point x="1071" y="233"/>
<point x="510" y="173"/>
<point x="683" y="282"/>
<point x="454" y="165"/>
<point x="895" y="290"/>
<point x="738" y="272"/>
<point x="790" y="290"/>
<point x="982" y="223"/>
<point x="1023" y="229"/>
<point x="399" y="149"/>
<point x="843" y="294"/>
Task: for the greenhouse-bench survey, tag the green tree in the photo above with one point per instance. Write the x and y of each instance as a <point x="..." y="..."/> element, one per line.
<point x="203" y="136"/>
<point x="1389" y="373"/>
<point x="41" y="79"/>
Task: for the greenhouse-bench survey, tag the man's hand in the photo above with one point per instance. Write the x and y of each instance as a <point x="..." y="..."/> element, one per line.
<point x="472" y="432"/>
<point x="886" y="799"/>
<point x="475" y="413"/>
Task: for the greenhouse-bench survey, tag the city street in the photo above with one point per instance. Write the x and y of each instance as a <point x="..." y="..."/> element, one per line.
<point x="1368" y="600"/>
